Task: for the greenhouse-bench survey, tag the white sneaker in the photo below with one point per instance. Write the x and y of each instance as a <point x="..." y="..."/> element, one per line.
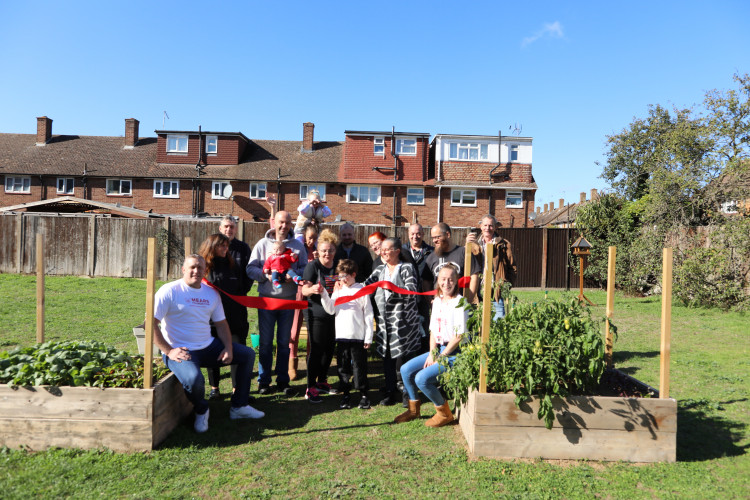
<point x="201" y="422"/>
<point x="246" y="411"/>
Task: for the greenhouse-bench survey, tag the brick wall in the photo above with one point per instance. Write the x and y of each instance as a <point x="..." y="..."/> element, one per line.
<point x="359" y="161"/>
<point x="462" y="171"/>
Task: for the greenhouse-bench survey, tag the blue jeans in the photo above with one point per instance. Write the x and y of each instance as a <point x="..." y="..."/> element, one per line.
<point x="416" y="377"/>
<point x="190" y="375"/>
<point x="267" y="320"/>
<point x="499" y="307"/>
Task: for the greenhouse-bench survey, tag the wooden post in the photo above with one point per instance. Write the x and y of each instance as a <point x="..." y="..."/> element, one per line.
<point x="544" y="258"/>
<point x="666" y="323"/>
<point x="240" y="230"/>
<point x="610" y="304"/>
<point x="39" y="288"/>
<point x="467" y="270"/>
<point x="486" y="315"/>
<point x="188" y="246"/>
<point x="19" y="243"/>
<point x="91" y="255"/>
<point x="165" y="254"/>
<point x="148" y="362"/>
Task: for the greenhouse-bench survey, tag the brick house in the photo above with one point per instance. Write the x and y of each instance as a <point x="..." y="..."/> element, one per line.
<point x="371" y="178"/>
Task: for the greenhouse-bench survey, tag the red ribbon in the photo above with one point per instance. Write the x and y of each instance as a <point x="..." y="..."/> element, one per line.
<point x="267" y="303"/>
<point x="272" y="304"/>
<point x="367" y="290"/>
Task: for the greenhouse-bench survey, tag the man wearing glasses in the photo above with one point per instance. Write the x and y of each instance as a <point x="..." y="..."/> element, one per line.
<point x="446" y="251"/>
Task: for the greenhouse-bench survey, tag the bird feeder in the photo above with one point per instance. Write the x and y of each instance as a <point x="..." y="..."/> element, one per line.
<point x="582" y="248"/>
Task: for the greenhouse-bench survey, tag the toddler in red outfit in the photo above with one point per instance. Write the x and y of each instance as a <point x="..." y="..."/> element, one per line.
<point x="279" y="264"/>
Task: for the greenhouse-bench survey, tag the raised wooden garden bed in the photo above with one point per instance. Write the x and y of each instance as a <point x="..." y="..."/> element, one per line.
<point x="40" y="417"/>
<point x="586" y="427"/>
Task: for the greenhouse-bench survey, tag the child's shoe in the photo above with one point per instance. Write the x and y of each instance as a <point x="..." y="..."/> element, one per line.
<point x="276" y="284"/>
<point x="345" y="402"/>
<point x="325" y="388"/>
<point x="296" y="280"/>
<point x="313" y="396"/>
<point x="364" y="403"/>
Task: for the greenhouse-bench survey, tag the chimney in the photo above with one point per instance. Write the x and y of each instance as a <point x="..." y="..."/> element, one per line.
<point x="583" y="197"/>
<point x="307" y="137"/>
<point x="43" y="130"/>
<point x="546" y="207"/>
<point x="562" y="202"/>
<point x="594" y="195"/>
<point x="538" y="209"/>
<point x="131" y="132"/>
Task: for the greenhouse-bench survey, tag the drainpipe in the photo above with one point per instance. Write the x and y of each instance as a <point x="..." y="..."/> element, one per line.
<point x="499" y="158"/>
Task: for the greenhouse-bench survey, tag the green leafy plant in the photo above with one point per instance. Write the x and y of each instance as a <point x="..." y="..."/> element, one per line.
<point x="545" y="349"/>
<point x="73" y="364"/>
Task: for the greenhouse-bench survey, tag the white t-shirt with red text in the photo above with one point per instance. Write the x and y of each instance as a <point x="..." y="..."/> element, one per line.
<point x="447" y="319"/>
<point x="184" y="313"/>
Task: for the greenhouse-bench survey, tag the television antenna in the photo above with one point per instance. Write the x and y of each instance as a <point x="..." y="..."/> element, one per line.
<point x="164" y="116"/>
<point x="516" y="129"/>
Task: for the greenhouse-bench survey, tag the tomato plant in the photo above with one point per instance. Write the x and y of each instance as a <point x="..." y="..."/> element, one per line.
<point x="546" y="349"/>
<point x="73" y="364"/>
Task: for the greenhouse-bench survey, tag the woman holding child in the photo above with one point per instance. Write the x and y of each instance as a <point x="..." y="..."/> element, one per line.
<point x="321" y="331"/>
<point x="447" y="325"/>
<point x="398" y="322"/>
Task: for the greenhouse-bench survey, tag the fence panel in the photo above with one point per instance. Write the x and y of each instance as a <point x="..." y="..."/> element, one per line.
<point x="122" y="246"/>
<point x="65" y="244"/>
<point x="8" y="243"/>
<point x="526" y="244"/>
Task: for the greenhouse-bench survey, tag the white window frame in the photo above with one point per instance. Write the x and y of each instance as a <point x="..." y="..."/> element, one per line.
<point x="415" y="191"/>
<point x="218" y="195"/>
<point x="456" y="148"/>
<point x="730" y="207"/>
<point x="65" y="185"/>
<point x="258" y="187"/>
<point x="120" y="184"/>
<point x="514" y="195"/>
<point x="513" y="149"/>
<point x="378" y="147"/>
<point x="174" y="188"/>
<point x="177" y="148"/>
<point x="214" y="148"/>
<point x="400" y="148"/>
<point x="306" y="188"/>
<point x="464" y="193"/>
<point x="358" y="189"/>
<point x="18" y="184"/>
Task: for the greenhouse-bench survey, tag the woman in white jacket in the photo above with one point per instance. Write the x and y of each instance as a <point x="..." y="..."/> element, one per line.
<point x="447" y="325"/>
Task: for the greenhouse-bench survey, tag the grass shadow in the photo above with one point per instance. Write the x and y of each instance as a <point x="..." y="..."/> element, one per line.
<point x="704" y="435"/>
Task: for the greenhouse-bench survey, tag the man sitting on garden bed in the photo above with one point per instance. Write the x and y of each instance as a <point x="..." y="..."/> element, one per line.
<point x="182" y="313"/>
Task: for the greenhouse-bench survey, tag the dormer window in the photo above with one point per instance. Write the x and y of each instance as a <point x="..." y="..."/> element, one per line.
<point x="406" y="147"/>
<point x="379" y="146"/>
<point x="468" y="151"/>
<point x="212" y="144"/>
<point x="177" y="143"/>
<point x="514" y="152"/>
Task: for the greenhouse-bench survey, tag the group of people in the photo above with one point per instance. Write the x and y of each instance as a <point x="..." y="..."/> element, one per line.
<point x="196" y="326"/>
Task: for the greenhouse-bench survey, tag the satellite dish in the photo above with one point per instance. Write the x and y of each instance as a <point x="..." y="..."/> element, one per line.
<point x="227" y="191"/>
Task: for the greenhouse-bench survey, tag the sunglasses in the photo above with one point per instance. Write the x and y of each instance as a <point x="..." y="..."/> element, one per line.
<point x="343" y="277"/>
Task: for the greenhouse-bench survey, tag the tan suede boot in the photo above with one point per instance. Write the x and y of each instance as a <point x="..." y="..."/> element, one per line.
<point x="411" y="414"/>
<point x="443" y="416"/>
<point x="293" y="368"/>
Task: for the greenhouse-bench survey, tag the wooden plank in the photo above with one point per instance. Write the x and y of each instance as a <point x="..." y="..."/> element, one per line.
<point x="666" y="323"/>
<point x="590" y="444"/>
<point x="148" y="361"/>
<point x="609" y="341"/>
<point x="486" y="316"/>
<point x="91" y="253"/>
<point x="171" y="406"/>
<point x="36" y="434"/>
<point x="165" y="253"/>
<point x="82" y="403"/>
<point x="19" y="243"/>
<point x="39" y="288"/>
<point x="590" y="412"/>
<point x="545" y="239"/>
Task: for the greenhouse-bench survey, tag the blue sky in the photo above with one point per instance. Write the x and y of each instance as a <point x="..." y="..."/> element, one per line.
<point x="568" y="72"/>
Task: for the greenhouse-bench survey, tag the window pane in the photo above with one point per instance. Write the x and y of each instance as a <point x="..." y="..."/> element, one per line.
<point x="26" y="184"/>
<point x="211" y="144"/>
<point x="456" y="196"/>
<point x="454" y="150"/>
<point x="483" y="152"/>
<point x="262" y="190"/>
<point x="125" y="187"/>
<point x="473" y="154"/>
<point x="353" y="194"/>
<point x="469" y="197"/>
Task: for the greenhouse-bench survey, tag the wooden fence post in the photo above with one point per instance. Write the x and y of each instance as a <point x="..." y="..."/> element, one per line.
<point x="149" y="324"/>
<point x="610" y="304"/>
<point x="39" y="288"/>
<point x="19" y="243"/>
<point x="240" y="229"/>
<point x="544" y="258"/>
<point x="91" y="254"/>
<point x="486" y="315"/>
<point x="188" y="246"/>
<point x="666" y="323"/>
<point x="165" y="256"/>
<point x="467" y="269"/>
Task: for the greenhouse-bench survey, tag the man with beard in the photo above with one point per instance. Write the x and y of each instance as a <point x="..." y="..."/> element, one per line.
<point x="349" y="249"/>
<point x="445" y="252"/>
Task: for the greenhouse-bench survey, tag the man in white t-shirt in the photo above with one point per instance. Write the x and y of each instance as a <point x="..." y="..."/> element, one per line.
<point x="183" y="311"/>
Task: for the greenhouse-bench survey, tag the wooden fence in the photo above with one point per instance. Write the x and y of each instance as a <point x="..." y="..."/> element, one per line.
<point x="104" y="246"/>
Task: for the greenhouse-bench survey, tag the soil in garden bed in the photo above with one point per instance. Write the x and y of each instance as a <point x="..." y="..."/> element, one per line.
<point x="614" y="383"/>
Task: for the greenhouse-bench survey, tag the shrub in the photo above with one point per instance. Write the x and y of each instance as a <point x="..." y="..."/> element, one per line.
<point x="546" y="349"/>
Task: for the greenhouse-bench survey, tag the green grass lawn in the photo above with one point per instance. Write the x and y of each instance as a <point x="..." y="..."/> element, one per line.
<point x="313" y="451"/>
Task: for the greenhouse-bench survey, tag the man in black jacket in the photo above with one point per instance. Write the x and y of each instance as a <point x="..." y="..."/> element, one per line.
<point x="349" y="249"/>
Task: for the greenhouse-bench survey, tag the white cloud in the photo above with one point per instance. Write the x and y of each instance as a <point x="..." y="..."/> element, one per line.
<point x="550" y="30"/>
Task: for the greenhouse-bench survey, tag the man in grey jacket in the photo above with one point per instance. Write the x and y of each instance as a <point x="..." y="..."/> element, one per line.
<point x="281" y="320"/>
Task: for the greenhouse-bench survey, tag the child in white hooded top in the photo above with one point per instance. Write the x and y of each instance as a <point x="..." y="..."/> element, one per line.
<point x="354" y="332"/>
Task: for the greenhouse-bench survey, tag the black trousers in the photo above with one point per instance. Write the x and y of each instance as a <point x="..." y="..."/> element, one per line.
<point x="322" y="341"/>
<point x="352" y="363"/>
<point x="214" y="374"/>
<point x="392" y="370"/>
